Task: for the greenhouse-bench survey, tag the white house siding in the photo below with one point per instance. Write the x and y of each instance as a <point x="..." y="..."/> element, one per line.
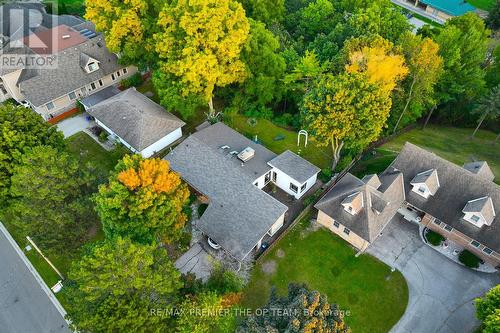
<point x="283" y="182"/>
<point x="261" y="181"/>
<point x="116" y="136"/>
<point x="162" y="143"/>
<point x="277" y="225"/>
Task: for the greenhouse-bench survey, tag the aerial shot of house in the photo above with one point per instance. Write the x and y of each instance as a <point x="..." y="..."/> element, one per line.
<point x="250" y="166"/>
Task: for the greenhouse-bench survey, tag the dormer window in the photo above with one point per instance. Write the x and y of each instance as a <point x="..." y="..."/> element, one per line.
<point x="426" y="183"/>
<point x="353" y="203"/>
<point x="92" y="67"/>
<point x="88" y="63"/>
<point x="479" y="212"/>
<point x="422" y="189"/>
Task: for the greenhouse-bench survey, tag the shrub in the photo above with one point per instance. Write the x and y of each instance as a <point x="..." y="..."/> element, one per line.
<point x="312" y="198"/>
<point x="185" y="240"/>
<point x="469" y="259"/>
<point x="103" y="136"/>
<point x="79" y="106"/>
<point x="201" y="209"/>
<point x="224" y="281"/>
<point x="132" y="81"/>
<point x="344" y="163"/>
<point x="325" y="175"/>
<point x="434" y="238"/>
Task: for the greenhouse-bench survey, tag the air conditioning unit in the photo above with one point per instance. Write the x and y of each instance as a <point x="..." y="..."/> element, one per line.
<point x="246" y="154"/>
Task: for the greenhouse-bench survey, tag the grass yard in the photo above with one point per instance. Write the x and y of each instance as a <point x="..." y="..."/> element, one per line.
<point x="482" y="4"/>
<point x="266" y="132"/>
<point x="375" y="297"/>
<point x="451" y="143"/>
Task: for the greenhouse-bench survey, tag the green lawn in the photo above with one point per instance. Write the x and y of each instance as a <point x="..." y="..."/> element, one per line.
<point x="266" y="131"/>
<point x="364" y="286"/>
<point x="451" y="143"/>
<point x="482" y="4"/>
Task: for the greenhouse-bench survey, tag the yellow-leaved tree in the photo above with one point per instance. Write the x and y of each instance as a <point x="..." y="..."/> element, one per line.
<point x="144" y="201"/>
<point x="200" y="43"/>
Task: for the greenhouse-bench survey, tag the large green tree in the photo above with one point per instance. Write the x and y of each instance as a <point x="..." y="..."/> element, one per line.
<point x="493" y="19"/>
<point x="51" y="198"/>
<point x="200" y="43"/>
<point x="302" y="310"/>
<point x="488" y="310"/>
<point x="144" y="200"/>
<point x="265" y="70"/>
<point x="266" y="11"/>
<point x="488" y="108"/>
<point x="345" y="111"/>
<point x="417" y="90"/>
<point x="118" y="286"/>
<point x="463" y="44"/>
<point x="20" y="130"/>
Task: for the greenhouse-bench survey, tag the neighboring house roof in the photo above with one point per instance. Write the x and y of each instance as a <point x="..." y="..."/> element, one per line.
<point x="480" y="168"/>
<point x="458" y="187"/>
<point x="371" y="180"/>
<point x="135" y="118"/>
<point x="379" y="203"/>
<point x="99" y="96"/>
<point x="429" y="178"/>
<point x="53" y="40"/>
<point x="239" y="214"/>
<point x="484" y="206"/>
<point x="294" y="166"/>
<point x="451" y="7"/>
<point x="69" y="75"/>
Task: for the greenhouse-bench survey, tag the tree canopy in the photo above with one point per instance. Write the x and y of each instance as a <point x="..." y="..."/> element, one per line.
<point x="117" y="283"/>
<point x="20" y="130"/>
<point x="301" y="311"/>
<point x="144" y="200"/>
<point x="488" y="310"/>
<point x="200" y="43"/>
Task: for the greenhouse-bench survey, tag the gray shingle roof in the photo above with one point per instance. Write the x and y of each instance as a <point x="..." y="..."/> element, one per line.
<point x="458" y="186"/>
<point x="372" y="180"/>
<point x="239" y="214"/>
<point x="294" y="166"/>
<point x="379" y="204"/>
<point x="480" y="168"/>
<point x="482" y="205"/>
<point x="135" y="118"/>
<point x="100" y="96"/>
<point x="69" y="75"/>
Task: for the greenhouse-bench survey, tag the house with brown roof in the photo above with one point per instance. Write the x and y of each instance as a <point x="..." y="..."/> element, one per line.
<point x="460" y="203"/>
<point x="77" y="61"/>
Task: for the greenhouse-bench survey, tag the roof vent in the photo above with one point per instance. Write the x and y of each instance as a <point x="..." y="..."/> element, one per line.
<point x="66" y="36"/>
<point x="246" y="154"/>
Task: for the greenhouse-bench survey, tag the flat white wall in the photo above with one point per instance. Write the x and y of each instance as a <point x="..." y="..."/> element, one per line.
<point x="277" y="225"/>
<point x="162" y="143"/>
<point x="283" y="182"/>
<point x="261" y="181"/>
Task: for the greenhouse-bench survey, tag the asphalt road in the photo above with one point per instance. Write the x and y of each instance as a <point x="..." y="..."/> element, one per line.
<point x="24" y="306"/>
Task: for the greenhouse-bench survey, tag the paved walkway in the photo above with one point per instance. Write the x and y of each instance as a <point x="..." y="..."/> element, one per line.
<point x="26" y="304"/>
<point x="74" y="124"/>
<point x="441" y="292"/>
<point x="197" y="261"/>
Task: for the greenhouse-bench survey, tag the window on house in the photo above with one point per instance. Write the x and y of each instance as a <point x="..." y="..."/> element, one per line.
<point x="92" y="66"/>
<point x="267" y="177"/>
<point x="475" y="243"/>
<point x="336" y="224"/>
<point x="475" y="218"/>
<point x="303" y="187"/>
<point x="256" y="184"/>
<point x="293" y="188"/>
<point x="50" y="106"/>
<point x="92" y="86"/>
<point x="118" y="73"/>
<point x="83" y="90"/>
<point x="72" y="95"/>
<point x="113" y="77"/>
<point x="347" y="231"/>
<point x="436" y="221"/>
<point x="421" y="189"/>
<point x="100" y="83"/>
<point x="487" y="250"/>
<point x="274" y="176"/>
<point x="448" y="228"/>
<point x="125" y="71"/>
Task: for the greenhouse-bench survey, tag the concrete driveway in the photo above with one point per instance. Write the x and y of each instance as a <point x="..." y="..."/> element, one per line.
<point x="441" y="291"/>
<point x="74" y="125"/>
<point x="197" y="261"/>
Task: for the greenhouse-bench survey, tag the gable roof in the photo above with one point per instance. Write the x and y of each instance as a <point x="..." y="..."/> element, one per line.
<point x="429" y="178"/>
<point x="69" y="75"/>
<point x="484" y="206"/>
<point x="135" y="118"/>
<point x="480" y="168"/>
<point x="294" y="166"/>
<point x="239" y="214"/>
<point x="458" y="187"/>
<point x="379" y="207"/>
<point x="451" y="7"/>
